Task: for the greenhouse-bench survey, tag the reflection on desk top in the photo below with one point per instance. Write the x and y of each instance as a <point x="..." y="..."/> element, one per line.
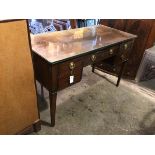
<point x="61" y="45"/>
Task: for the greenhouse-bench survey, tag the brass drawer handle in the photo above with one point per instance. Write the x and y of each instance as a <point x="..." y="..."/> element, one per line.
<point x="93" y="58"/>
<point x="122" y="57"/>
<point x="152" y="67"/>
<point x="125" y="46"/>
<point x="111" y="51"/>
<point x="72" y="65"/>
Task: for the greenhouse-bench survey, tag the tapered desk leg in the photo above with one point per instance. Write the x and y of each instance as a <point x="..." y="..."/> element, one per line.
<point x="42" y="91"/>
<point x="93" y="68"/>
<point x="120" y="73"/>
<point x="52" y="97"/>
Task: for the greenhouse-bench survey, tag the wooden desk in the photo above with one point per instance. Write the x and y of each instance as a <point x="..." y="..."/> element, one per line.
<point x="59" y="57"/>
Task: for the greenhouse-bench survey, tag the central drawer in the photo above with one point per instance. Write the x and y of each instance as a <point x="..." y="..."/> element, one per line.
<point x="107" y="53"/>
<point x="100" y="55"/>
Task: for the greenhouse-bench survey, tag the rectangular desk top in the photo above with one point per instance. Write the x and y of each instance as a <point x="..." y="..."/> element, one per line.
<point x="61" y="45"/>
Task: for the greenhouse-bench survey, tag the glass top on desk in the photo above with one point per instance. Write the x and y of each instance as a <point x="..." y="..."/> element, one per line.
<point x="61" y="45"/>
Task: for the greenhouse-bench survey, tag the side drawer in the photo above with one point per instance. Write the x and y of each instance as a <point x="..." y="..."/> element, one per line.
<point x="69" y="68"/>
<point x="124" y="52"/>
<point x="65" y="82"/>
<point x="65" y="70"/>
<point x="125" y="49"/>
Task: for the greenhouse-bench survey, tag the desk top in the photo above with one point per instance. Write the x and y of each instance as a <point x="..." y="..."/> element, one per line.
<point x="61" y="45"/>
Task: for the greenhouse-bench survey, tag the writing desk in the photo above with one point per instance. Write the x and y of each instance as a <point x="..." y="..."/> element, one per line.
<point x="59" y="57"/>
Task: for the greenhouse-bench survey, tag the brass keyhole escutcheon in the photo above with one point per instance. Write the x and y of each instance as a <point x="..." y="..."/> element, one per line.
<point x="111" y="51"/>
<point x="72" y="65"/>
<point x="125" y="46"/>
<point x="93" y="58"/>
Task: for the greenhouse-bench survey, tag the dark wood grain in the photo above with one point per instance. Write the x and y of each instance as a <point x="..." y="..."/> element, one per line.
<point x="53" y="97"/>
<point x="151" y="38"/>
<point x="142" y="29"/>
<point x="42" y="71"/>
<point x="60" y="23"/>
<point x="145" y="30"/>
<point x="119" y="24"/>
<point x="73" y="23"/>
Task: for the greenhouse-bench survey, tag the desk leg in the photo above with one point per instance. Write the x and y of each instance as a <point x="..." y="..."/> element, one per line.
<point x="42" y="91"/>
<point x="93" y="68"/>
<point x="120" y="73"/>
<point x="52" y="97"/>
